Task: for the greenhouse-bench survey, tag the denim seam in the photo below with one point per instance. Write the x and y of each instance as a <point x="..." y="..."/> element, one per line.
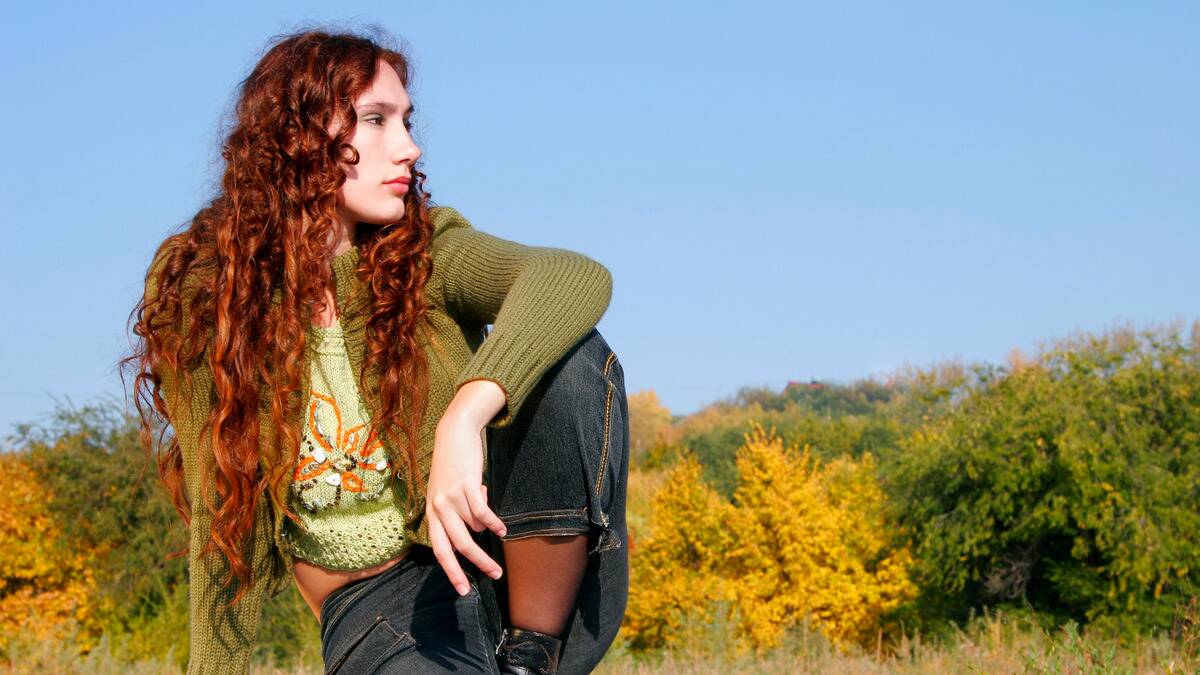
<point x="612" y="356"/>
<point x="388" y="653"/>
<point x="607" y="422"/>
<point x="484" y="634"/>
<point x="346" y="602"/>
<point x="551" y="532"/>
<point x="519" y="518"/>
<point x="341" y="661"/>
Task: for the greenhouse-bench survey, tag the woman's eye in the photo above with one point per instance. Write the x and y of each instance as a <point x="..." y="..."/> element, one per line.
<point x="378" y="121"/>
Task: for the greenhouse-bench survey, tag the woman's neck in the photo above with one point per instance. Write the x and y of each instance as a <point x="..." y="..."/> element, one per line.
<point x="344" y="236"/>
<point x="326" y="315"/>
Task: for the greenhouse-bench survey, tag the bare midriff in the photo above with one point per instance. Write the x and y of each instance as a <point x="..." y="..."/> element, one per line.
<point x="315" y="583"/>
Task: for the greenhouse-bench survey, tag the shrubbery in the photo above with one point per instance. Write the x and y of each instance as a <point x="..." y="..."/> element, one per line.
<point x="1064" y="488"/>
<point x="1066" y="485"/>
<point x="801" y="541"/>
<point x="87" y="534"/>
<point x="1070" y="482"/>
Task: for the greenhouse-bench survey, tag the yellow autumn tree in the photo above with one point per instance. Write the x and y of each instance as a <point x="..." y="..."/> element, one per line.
<point x="649" y="423"/>
<point x="801" y="541"/>
<point x="41" y="588"/>
<point x="676" y="572"/>
<point x="812" y="544"/>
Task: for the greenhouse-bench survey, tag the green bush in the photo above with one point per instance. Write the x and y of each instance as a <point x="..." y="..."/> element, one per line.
<point x="91" y="461"/>
<point x="1070" y="483"/>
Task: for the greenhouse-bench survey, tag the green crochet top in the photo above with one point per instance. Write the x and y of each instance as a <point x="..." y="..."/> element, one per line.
<point x="344" y="487"/>
<point x="540" y="301"/>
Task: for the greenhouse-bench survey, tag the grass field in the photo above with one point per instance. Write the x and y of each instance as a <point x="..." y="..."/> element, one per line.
<point x="993" y="644"/>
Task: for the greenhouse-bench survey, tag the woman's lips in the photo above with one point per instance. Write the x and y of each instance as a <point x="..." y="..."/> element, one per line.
<point x="399" y="187"/>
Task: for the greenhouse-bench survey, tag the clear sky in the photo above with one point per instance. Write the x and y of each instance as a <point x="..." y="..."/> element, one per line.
<point x="782" y="191"/>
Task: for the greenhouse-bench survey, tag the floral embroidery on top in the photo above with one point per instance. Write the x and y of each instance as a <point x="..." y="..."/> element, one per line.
<point x="350" y="461"/>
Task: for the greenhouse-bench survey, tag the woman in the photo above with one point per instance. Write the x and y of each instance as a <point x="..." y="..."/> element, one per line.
<point x="316" y="339"/>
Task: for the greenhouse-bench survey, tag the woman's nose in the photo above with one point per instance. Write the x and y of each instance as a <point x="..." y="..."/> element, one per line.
<point x="406" y="152"/>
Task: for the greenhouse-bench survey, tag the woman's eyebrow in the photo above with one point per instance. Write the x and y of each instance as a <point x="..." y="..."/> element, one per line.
<point x="385" y="106"/>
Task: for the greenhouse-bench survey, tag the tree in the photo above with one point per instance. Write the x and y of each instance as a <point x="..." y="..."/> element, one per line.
<point x="649" y="424"/>
<point x="1068" y="482"/>
<point x="802" y="541"/>
<point x="42" y="590"/>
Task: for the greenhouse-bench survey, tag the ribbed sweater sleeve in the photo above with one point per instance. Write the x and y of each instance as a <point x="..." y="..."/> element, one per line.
<point x="539" y="300"/>
<point x="221" y="639"/>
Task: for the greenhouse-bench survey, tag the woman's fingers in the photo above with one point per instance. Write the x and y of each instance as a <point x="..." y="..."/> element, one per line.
<point x="461" y="539"/>
<point x="447" y="534"/>
<point x="484" y="515"/>
<point x="444" y="552"/>
<point x="460" y="507"/>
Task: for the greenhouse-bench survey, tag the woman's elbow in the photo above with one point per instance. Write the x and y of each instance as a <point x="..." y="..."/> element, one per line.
<point x="588" y="283"/>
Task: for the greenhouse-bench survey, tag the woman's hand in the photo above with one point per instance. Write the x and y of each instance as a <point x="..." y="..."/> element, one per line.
<point x="456" y="497"/>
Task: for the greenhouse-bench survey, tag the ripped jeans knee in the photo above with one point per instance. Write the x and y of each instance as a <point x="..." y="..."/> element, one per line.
<point x="561" y="468"/>
<point x="562" y="465"/>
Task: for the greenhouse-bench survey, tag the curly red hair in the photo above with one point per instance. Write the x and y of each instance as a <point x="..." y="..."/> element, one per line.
<point x="267" y="228"/>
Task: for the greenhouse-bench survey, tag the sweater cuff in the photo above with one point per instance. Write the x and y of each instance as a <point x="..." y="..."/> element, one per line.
<point x="534" y="330"/>
<point x="484" y="371"/>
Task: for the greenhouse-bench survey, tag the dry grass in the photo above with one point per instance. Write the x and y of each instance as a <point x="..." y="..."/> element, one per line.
<point x="994" y="644"/>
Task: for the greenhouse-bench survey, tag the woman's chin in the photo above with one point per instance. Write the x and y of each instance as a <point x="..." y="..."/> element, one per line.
<point x="384" y="219"/>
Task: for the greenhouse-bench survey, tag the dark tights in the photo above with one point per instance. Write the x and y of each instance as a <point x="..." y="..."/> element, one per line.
<point x="544" y="574"/>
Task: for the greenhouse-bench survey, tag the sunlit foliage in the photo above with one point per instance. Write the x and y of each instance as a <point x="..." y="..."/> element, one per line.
<point x="1069" y="482"/>
<point x="43" y="586"/>
<point x="802" y="541"/>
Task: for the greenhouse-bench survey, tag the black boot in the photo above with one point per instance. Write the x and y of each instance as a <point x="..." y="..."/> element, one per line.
<point x="528" y="652"/>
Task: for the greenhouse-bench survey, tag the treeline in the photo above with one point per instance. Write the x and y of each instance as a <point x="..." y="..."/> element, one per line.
<point x="90" y="546"/>
<point x="1064" y="486"/>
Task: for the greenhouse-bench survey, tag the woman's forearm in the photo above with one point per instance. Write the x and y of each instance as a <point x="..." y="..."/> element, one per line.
<point x="476" y="403"/>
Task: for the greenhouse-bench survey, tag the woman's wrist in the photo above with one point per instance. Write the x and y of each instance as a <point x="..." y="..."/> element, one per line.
<point x="476" y="403"/>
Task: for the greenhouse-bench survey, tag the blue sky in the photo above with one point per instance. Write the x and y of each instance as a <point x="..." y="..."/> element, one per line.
<point x="782" y="191"/>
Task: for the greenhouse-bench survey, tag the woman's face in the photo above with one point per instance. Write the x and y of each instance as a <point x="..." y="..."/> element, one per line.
<point x="386" y="151"/>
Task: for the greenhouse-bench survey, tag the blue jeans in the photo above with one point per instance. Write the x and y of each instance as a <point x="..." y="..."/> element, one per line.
<point x="409" y="619"/>
<point x="560" y="469"/>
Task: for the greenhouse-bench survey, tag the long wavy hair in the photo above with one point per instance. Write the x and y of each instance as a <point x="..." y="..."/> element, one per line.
<point x="267" y="228"/>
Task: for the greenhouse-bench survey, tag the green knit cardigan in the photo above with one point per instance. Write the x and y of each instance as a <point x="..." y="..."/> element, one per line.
<point x="540" y="301"/>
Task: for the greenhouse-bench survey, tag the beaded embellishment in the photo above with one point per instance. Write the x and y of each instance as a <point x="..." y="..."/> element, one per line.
<point x="348" y="462"/>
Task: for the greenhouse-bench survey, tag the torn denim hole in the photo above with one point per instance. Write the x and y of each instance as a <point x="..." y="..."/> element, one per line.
<point x="608" y="539"/>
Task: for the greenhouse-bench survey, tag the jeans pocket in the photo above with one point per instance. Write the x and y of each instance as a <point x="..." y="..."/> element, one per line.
<point x="374" y="645"/>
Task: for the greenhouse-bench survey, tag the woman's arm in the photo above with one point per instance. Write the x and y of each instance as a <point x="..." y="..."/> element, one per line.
<point x="541" y="302"/>
<point x="221" y="638"/>
<point x="455" y="496"/>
